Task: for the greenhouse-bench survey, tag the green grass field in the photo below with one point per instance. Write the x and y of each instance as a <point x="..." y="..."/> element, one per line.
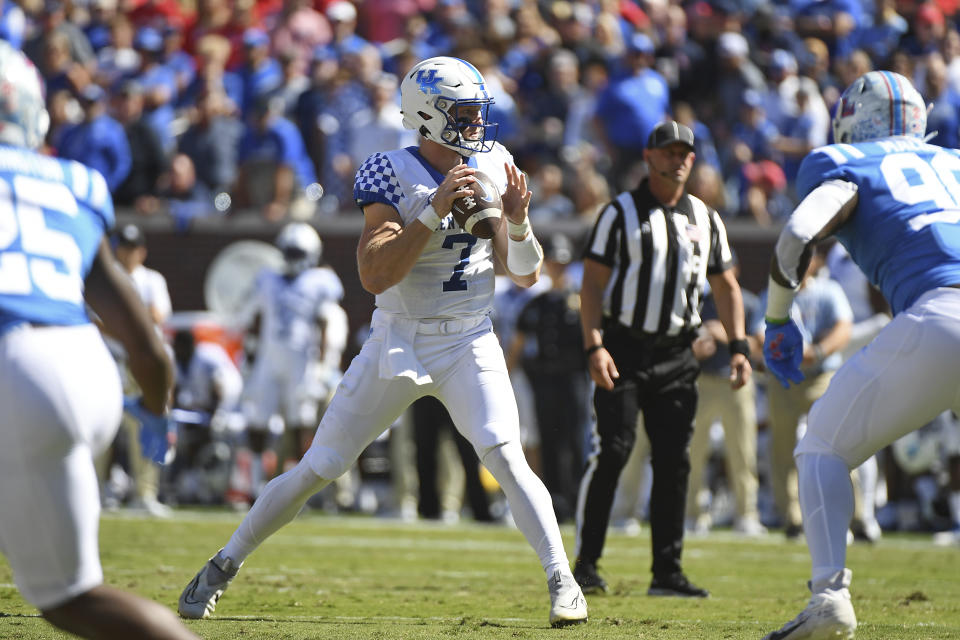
<point x="361" y="577"/>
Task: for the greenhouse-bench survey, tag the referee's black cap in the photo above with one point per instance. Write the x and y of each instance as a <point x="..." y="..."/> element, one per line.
<point x="669" y="132"/>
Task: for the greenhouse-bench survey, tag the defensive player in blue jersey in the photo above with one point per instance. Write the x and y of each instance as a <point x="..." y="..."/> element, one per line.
<point x="59" y="387"/>
<point x="894" y="202"/>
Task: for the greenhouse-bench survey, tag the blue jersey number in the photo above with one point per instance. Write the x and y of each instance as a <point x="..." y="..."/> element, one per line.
<point x="47" y="260"/>
<point x="456" y="282"/>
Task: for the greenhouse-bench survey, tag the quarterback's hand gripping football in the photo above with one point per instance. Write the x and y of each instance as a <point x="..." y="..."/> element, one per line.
<point x="456" y="184"/>
<point x="153" y="430"/>
<point x="783" y="351"/>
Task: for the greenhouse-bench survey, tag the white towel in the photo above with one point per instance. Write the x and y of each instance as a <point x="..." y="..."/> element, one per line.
<point x="397" y="358"/>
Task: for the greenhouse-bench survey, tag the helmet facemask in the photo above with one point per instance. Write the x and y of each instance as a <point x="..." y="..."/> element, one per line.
<point x="467" y="129"/>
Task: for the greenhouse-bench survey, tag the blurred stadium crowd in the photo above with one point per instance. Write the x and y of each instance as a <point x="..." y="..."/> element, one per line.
<point x="227" y="107"/>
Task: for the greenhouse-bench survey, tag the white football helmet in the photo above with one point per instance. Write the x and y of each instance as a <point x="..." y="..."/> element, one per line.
<point x="439" y="98"/>
<point x="301" y="247"/>
<point x="23" y="116"/>
<point x="879" y="104"/>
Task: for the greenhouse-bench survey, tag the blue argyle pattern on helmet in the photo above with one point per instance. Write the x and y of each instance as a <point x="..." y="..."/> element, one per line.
<point x="376" y="182"/>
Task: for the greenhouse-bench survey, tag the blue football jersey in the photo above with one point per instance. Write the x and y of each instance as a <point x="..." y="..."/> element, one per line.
<point x="53" y="215"/>
<point x="905" y="231"/>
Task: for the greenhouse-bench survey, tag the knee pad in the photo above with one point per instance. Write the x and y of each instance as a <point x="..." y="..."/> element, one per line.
<point x="326" y="462"/>
<point x="504" y="458"/>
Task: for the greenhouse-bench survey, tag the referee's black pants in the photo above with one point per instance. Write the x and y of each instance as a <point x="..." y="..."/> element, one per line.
<point x="661" y="382"/>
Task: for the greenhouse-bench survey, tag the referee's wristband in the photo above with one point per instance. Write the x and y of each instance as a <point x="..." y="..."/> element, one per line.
<point x="589" y="350"/>
<point x="740" y="346"/>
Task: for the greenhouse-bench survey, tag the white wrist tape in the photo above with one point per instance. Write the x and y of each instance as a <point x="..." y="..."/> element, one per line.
<point x="515" y="229"/>
<point x="523" y="256"/>
<point x="429" y="218"/>
<point x="779" y="300"/>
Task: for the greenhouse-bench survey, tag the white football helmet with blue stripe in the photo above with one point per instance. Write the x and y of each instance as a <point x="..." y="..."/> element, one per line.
<point x="879" y="104"/>
<point x="23" y="116"/>
<point x="441" y="98"/>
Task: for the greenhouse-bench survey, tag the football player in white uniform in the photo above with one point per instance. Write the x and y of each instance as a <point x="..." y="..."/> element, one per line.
<point x="431" y="332"/>
<point x="288" y="306"/>
<point x="206" y="396"/>
<point x="59" y="387"/>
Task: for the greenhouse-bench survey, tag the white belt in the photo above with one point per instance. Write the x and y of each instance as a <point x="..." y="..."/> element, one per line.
<point x="447" y="327"/>
<point x="397" y="356"/>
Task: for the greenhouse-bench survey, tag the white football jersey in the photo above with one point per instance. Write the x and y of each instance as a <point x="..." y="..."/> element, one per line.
<point x="152" y="287"/>
<point x="290" y="309"/>
<point x="453" y="277"/>
<point x="210" y="374"/>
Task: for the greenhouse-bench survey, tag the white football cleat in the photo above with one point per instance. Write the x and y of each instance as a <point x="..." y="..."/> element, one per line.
<point x="200" y="597"/>
<point x="829" y="615"/>
<point x="947" y="538"/>
<point x="567" y="604"/>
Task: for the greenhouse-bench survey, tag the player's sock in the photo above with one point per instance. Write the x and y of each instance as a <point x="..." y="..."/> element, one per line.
<point x="868" y="472"/>
<point x="826" y="499"/>
<point x="529" y="501"/>
<point x="278" y="504"/>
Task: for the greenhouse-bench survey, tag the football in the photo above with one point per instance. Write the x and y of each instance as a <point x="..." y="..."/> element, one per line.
<point x="479" y="214"/>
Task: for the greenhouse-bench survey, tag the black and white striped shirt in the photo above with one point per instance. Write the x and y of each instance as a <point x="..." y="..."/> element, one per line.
<point x="660" y="257"/>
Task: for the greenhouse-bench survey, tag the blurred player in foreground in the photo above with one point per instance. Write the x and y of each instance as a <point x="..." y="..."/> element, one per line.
<point x="59" y="387"/>
<point x="893" y="201"/>
<point x="431" y="333"/>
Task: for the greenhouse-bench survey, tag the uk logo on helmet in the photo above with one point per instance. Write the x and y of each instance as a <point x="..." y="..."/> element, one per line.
<point x="428" y="80"/>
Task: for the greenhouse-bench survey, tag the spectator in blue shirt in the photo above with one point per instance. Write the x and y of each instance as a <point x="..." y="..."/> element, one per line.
<point x="836" y="22"/>
<point x="212" y="141"/>
<point x="753" y="135"/>
<point x="174" y="57"/>
<point x="630" y="107"/>
<point x="343" y="18"/>
<point x="97" y="30"/>
<point x="943" y="117"/>
<point x="260" y="74"/>
<point x="98" y="141"/>
<point x="159" y="84"/>
<point x="274" y="165"/>
<point x="213" y="52"/>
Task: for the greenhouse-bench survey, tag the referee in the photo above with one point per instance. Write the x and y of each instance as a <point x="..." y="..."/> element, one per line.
<point x="650" y="254"/>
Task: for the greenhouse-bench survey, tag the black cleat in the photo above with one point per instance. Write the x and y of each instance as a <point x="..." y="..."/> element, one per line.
<point x="676" y="585"/>
<point x="585" y="573"/>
